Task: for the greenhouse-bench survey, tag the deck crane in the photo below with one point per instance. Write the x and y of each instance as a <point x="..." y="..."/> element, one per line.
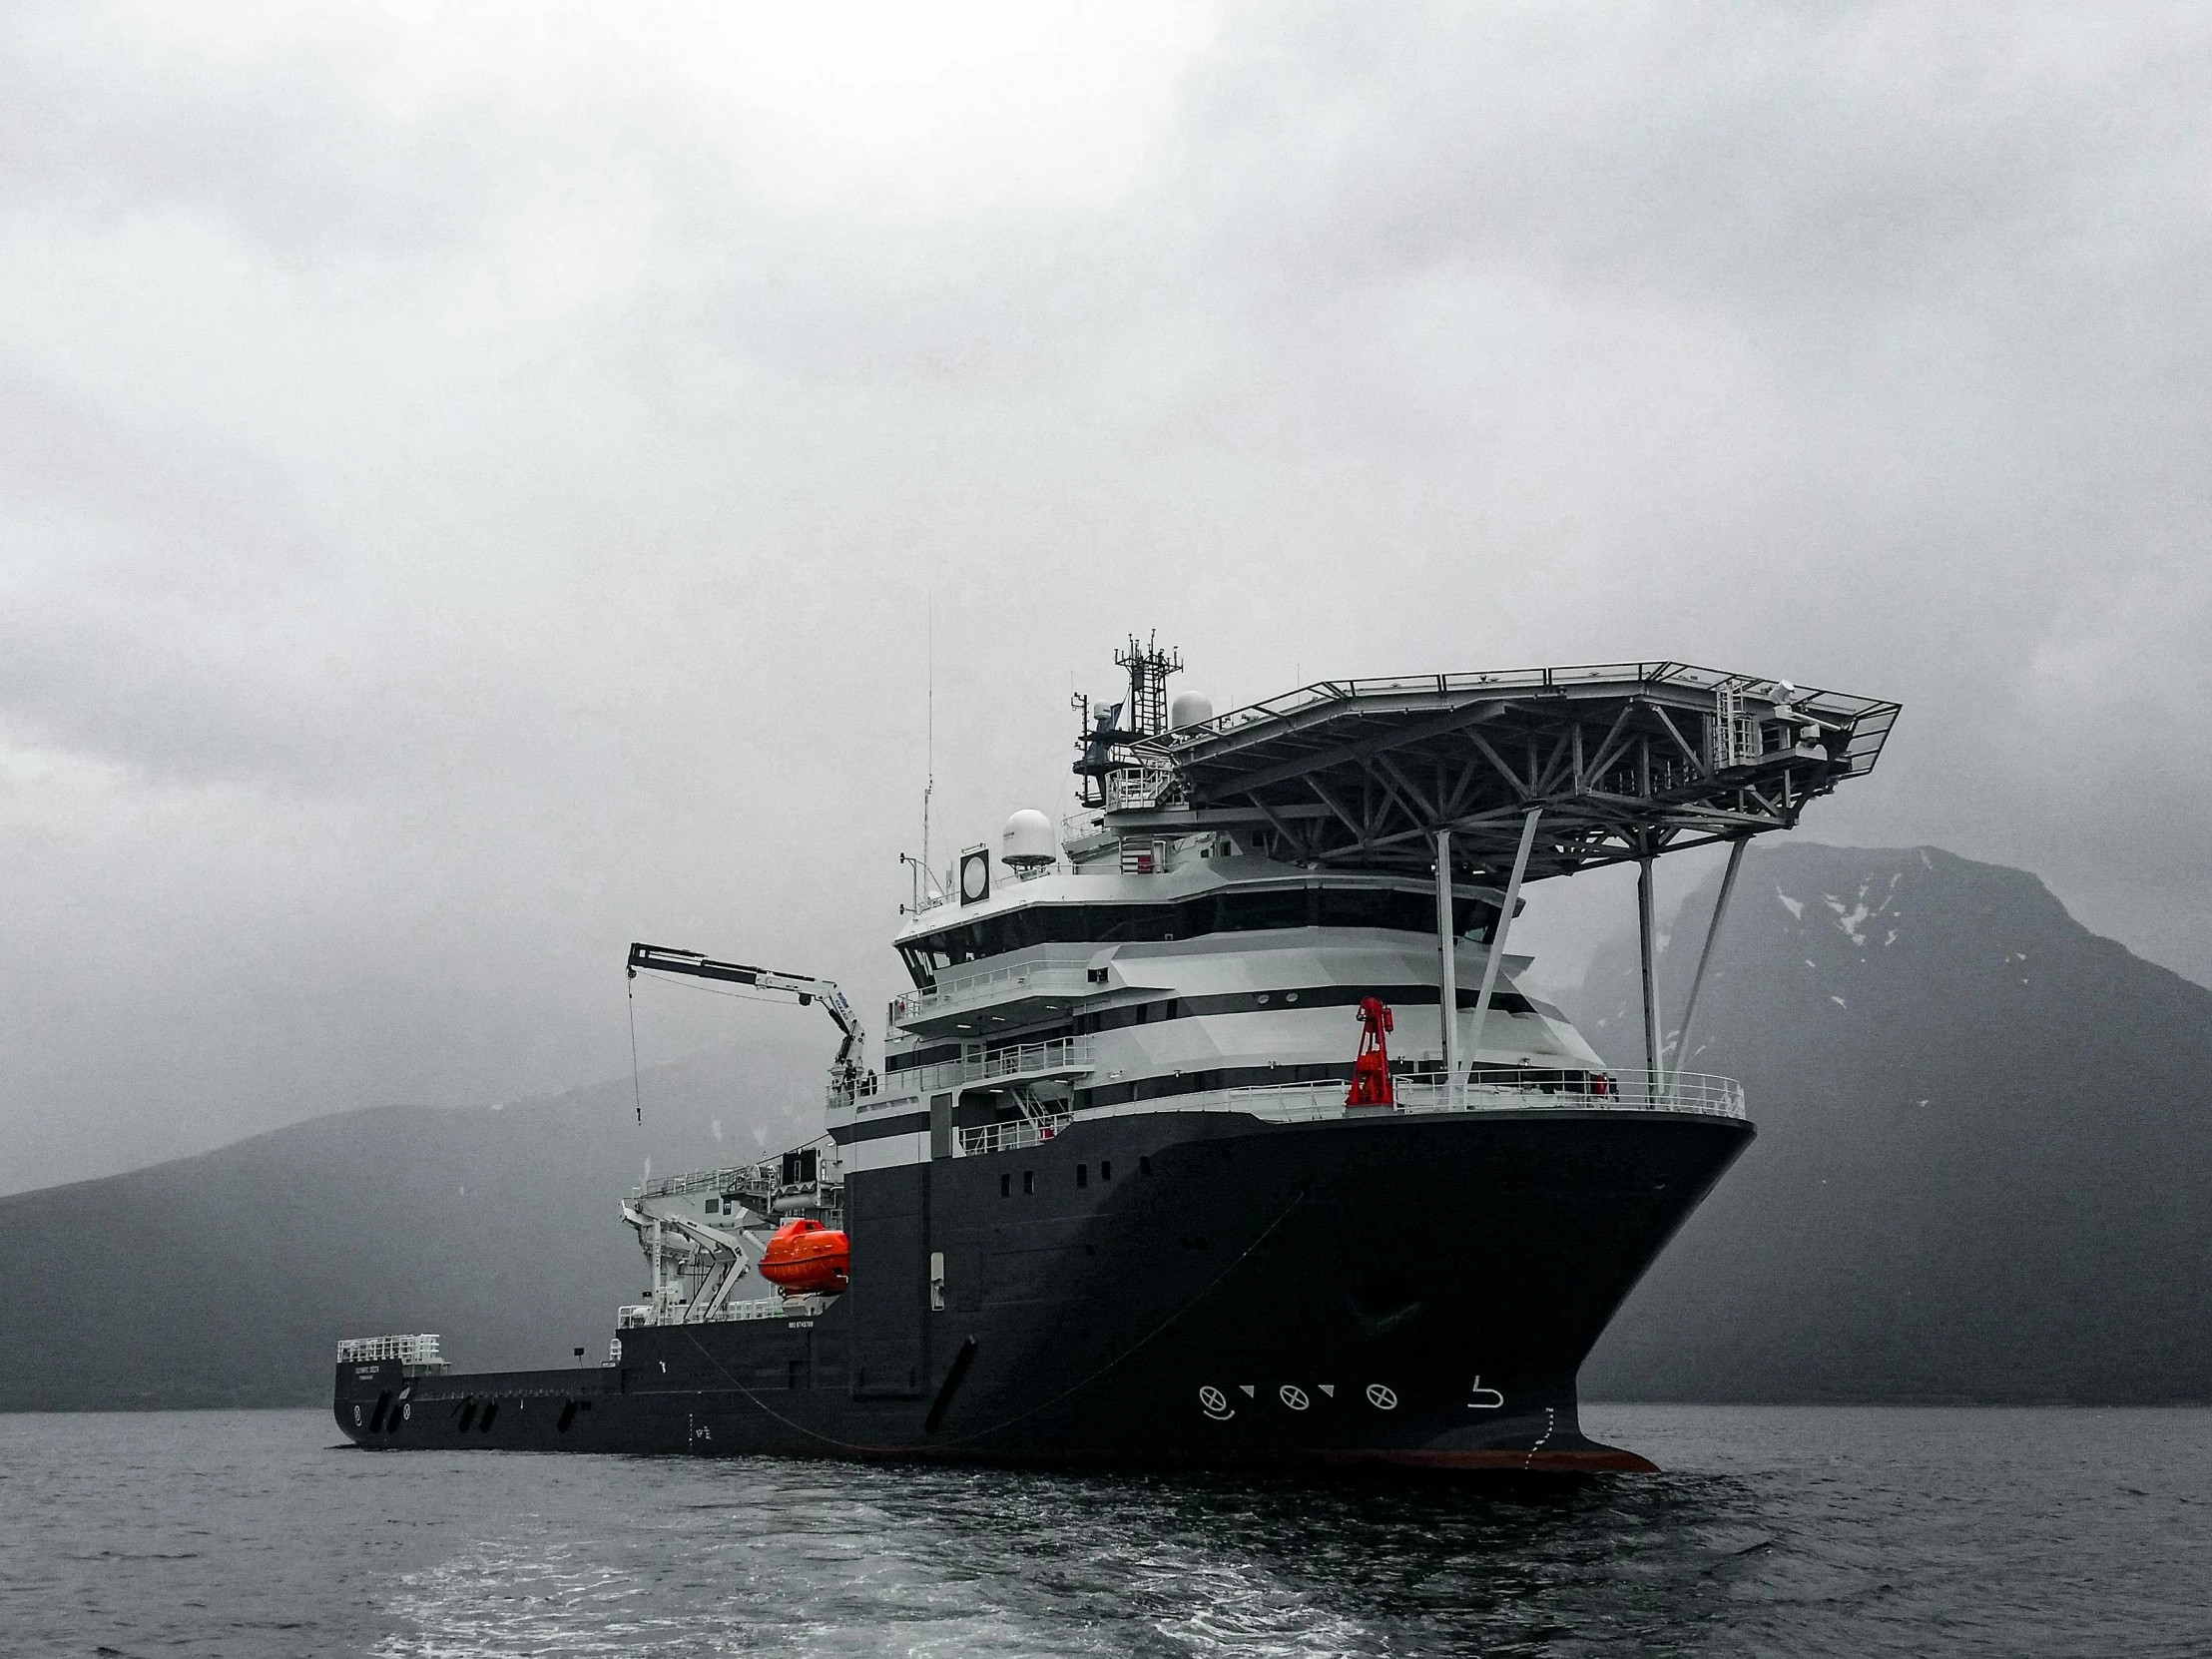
<point x="847" y="1072"/>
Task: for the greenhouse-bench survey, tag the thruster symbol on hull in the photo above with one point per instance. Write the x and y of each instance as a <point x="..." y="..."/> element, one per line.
<point x="1215" y="1403"/>
<point x="1293" y="1396"/>
<point x="1382" y="1396"/>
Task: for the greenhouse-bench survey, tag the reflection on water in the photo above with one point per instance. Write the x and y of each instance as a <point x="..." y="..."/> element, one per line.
<point x="1805" y="1531"/>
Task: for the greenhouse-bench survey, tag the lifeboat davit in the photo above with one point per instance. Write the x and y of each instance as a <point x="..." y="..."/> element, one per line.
<point x="804" y="1256"/>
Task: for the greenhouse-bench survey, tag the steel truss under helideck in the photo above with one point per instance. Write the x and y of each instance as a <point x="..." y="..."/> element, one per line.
<point x="1508" y="778"/>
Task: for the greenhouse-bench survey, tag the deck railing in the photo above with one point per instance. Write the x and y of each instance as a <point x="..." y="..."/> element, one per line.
<point x="1016" y="1132"/>
<point x="1060" y="975"/>
<point x="1495" y="1090"/>
<point x="408" y="1350"/>
<point x="1060" y="1054"/>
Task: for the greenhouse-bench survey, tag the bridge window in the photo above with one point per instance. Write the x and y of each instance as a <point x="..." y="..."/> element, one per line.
<point x="1233" y="910"/>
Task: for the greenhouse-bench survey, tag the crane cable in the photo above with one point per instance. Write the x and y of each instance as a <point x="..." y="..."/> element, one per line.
<point x="636" y="1091"/>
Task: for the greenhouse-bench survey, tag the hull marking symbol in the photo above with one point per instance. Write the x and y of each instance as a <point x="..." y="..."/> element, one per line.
<point x="1486" y="1399"/>
<point x="1328" y="1389"/>
<point x="1215" y="1403"/>
<point x="1249" y="1391"/>
<point x="1293" y="1396"/>
<point x="1382" y="1396"/>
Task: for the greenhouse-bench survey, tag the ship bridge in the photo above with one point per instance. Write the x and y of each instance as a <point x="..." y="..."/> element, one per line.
<point x="1507" y="777"/>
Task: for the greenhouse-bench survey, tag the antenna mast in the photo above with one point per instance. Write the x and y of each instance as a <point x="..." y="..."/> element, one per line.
<point x="929" y="729"/>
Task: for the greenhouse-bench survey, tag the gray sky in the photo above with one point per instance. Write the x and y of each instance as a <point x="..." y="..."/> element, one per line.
<point x="470" y="484"/>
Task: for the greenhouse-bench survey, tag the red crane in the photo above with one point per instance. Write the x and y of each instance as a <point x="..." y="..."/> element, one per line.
<point x="1371" y="1071"/>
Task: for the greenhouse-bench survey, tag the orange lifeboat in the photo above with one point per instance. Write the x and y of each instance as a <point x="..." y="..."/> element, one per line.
<point x="804" y="1256"/>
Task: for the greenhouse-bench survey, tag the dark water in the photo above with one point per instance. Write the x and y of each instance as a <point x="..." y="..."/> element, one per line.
<point x="1775" y="1532"/>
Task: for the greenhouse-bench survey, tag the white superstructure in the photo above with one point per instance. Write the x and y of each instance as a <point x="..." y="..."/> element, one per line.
<point x="1198" y="973"/>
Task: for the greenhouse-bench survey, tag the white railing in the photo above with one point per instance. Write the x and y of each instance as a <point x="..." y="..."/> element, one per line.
<point x="776" y="1308"/>
<point x="1633" y="1091"/>
<point x="1060" y="1054"/>
<point x="408" y="1350"/>
<point x="1140" y="787"/>
<point x="779" y="1306"/>
<point x="1016" y="1132"/>
<point x="1065" y="975"/>
<point x="1494" y="1090"/>
<point x="768" y="1173"/>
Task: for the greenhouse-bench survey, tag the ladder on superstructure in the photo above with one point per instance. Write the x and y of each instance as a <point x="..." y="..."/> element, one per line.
<point x="1149" y="666"/>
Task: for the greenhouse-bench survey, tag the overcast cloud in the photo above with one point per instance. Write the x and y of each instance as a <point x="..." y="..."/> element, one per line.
<point x="470" y="485"/>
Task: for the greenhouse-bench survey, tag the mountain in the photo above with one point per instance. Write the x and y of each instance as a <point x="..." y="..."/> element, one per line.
<point x="1981" y="1174"/>
<point x="228" y="1279"/>
<point x="1983" y="1169"/>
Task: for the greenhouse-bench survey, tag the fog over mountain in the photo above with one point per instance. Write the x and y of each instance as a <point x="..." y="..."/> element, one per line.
<point x="474" y="485"/>
<point x="1984" y="1135"/>
<point x="228" y="1279"/>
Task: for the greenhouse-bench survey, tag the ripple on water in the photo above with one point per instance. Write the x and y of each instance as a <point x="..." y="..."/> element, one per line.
<point x="1839" y="1533"/>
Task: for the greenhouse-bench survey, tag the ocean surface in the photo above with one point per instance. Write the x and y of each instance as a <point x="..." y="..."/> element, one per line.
<point x="1772" y="1531"/>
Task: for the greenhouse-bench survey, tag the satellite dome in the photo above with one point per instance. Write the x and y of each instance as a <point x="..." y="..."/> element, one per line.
<point x="1190" y="708"/>
<point x="1027" y="843"/>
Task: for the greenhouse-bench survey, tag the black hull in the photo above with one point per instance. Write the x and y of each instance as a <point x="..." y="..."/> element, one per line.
<point x="1411" y="1289"/>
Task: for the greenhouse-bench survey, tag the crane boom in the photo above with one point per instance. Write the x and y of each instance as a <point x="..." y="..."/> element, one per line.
<point x="805" y="987"/>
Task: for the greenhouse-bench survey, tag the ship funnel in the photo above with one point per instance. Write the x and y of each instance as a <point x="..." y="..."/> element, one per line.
<point x="1027" y="843"/>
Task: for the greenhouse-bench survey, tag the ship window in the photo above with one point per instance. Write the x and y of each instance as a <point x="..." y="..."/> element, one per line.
<point x="1082" y="1175"/>
<point x="1005" y="1186"/>
<point x="1105" y="1169"/>
<point x="1230" y="911"/>
<point x="713" y="1205"/>
<point x="1028" y="1180"/>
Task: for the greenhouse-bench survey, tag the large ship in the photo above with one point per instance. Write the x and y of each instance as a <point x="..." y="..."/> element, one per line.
<point x="1219" y="1126"/>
